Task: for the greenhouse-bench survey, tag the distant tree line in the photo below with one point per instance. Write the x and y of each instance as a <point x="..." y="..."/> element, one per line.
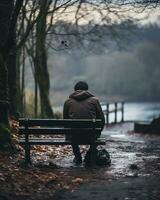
<point x="129" y="70"/>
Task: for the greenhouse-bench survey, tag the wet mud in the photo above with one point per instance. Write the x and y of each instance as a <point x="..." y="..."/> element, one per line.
<point x="131" y="154"/>
<point x="134" y="172"/>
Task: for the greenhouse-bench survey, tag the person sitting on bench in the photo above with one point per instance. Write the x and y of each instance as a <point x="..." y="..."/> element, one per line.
<point x="81" y="104"/>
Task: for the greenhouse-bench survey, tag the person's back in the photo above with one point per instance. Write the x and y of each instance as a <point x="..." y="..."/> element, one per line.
<point x="82" y="105"/>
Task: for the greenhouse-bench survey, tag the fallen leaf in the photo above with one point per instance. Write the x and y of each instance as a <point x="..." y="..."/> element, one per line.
<point x="76" y="180"/>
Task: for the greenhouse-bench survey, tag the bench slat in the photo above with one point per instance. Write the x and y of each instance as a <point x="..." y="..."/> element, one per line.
<point x="62" y="131"/>
<point x="57" y="141"/>
<point x="85" y="123"/>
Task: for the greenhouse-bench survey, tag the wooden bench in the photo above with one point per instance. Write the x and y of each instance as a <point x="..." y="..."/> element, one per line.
<point x="31" y="130"/>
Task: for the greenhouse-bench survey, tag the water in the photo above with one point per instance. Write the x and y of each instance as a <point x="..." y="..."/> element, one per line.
<point x="142" y="111"/>
<point x="138" y="111"/>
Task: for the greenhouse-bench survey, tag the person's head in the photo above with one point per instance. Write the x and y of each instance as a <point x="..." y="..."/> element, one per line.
<point x="81" y="85"/>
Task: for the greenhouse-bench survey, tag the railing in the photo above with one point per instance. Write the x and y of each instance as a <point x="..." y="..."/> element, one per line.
<point x="116" y="107"/>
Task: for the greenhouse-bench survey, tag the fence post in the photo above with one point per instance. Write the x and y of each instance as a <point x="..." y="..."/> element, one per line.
<point x="107" y="113"/>
<point x="122" y="111"/>
<point x="115" y="119"/>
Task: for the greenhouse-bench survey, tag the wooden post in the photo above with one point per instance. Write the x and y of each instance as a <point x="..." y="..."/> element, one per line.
<point x="27" y="145"/>
<point x="122" y="111"/>
<point x="115" y="119"/>
<point x="107" y="113"/>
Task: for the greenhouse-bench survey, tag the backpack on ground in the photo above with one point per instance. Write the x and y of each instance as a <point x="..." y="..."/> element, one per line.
<point x="102" y="158"/>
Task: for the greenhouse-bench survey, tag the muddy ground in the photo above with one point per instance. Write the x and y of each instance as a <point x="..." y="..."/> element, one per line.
<point x="134" y="172"/>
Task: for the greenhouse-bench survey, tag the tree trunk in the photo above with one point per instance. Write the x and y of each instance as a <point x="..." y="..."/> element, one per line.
<point x="12" y="80"/>
<point x="6" y="8"/>
<point x="22" y="88"/>
<point x="18" y="64"/>
<point x="35" y="97"/>
<point x="42" y="78"/>
<point x="4" y="105"/>
<point x="41" y="70"/>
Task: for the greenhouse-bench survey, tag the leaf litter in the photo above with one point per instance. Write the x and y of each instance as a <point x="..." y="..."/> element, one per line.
<point x="37" y="181"/>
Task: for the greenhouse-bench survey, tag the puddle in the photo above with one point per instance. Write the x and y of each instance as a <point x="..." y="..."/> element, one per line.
<point x="118" y="136"/>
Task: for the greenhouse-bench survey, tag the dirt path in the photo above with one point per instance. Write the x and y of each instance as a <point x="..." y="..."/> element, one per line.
<point x="134" y="173"/>
<point x="139" y="188"/>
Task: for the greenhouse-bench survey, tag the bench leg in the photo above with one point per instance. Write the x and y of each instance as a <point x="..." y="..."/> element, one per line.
<point x="27" y="154"/>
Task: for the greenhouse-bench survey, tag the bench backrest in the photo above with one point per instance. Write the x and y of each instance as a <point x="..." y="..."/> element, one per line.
<point x="59" y="126"/>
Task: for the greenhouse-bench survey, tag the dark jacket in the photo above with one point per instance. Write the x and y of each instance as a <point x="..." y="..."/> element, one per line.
<point x="83" y="105"/>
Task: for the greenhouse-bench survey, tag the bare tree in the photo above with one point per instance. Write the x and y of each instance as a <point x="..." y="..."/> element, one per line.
<point x="9" y="14"/>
